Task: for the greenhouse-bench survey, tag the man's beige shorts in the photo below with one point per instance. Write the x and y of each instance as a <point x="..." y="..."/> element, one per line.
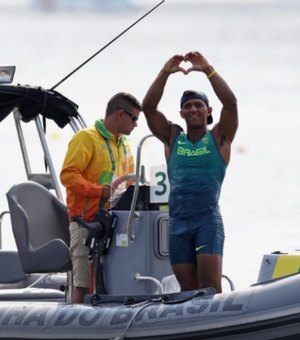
<point x="79" y="255"/>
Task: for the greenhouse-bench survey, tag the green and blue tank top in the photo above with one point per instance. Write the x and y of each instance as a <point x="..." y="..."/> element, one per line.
<point x="196" y="172"/>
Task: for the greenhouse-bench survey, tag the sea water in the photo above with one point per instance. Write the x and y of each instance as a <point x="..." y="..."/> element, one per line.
<point x="254" y="45"/>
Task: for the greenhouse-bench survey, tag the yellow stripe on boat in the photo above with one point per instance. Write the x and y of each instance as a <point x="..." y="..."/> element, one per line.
<point x="286" y="265"/>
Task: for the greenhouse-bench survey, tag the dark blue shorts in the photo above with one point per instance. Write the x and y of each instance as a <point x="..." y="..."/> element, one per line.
<point x="188" y="238"/>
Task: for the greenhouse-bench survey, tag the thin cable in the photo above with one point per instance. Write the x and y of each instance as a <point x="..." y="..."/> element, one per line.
<point x="104" y="47"/>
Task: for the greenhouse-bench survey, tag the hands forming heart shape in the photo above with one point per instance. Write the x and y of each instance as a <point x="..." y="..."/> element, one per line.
<point x="186" y="67"/>
<point x="195" y="62"/>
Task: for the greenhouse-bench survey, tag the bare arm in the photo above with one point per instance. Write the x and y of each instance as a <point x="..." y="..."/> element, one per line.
<point x="228" y="122"/>
<point x="157" y="122"/>
<point x="227" y="126"/>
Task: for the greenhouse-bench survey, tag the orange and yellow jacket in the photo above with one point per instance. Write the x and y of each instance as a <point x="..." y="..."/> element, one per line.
<point x="93" y="157"/>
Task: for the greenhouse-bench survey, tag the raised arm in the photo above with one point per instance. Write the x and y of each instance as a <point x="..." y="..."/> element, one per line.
<point x="227" y="126"/>
<point x="157" y="122"/>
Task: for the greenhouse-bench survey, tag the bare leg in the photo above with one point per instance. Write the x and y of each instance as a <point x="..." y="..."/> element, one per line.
<point x="186" y="276"/>
<point x="78" y="293"/>
<point x="209" y="271"/>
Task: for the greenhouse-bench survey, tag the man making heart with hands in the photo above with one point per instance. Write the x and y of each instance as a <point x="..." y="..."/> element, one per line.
<point x="196" y="160"/>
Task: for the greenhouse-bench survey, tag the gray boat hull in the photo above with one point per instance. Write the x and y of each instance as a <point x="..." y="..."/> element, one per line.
<point x="268" y="310"/>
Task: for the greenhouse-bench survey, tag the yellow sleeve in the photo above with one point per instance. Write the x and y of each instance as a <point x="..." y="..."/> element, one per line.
<point x="74" y="170"/>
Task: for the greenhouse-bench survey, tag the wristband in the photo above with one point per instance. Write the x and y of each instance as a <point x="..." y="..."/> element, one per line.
<point x="212" y="74"/>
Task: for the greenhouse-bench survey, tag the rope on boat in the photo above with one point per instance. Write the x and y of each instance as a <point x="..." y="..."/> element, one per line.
<point x="144" y="305"/>
<point x="161" y="299"/>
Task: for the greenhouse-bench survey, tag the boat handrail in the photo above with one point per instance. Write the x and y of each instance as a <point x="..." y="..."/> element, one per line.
<point x="48" y="180"/>
<point x="1" y="218"/>
<point x="77" y="124"/>
<point x="231" y="284"/>
<point x="130" y="235"/>
<point x="159" y="286"/>
<point x="48" y="158"/>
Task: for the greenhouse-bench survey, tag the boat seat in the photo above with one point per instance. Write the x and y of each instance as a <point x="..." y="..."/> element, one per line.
<point x="41" y="228"/>
<point x="10" y="267"/>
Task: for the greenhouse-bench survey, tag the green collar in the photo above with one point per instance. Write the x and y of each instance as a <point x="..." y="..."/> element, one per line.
<point x="99" y="125"/>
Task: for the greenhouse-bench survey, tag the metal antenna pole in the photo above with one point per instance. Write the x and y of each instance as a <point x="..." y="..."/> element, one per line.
<point x="104" y="47"/>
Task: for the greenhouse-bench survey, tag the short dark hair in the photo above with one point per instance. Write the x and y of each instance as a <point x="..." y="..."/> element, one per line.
<point x="120" y="100"/>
